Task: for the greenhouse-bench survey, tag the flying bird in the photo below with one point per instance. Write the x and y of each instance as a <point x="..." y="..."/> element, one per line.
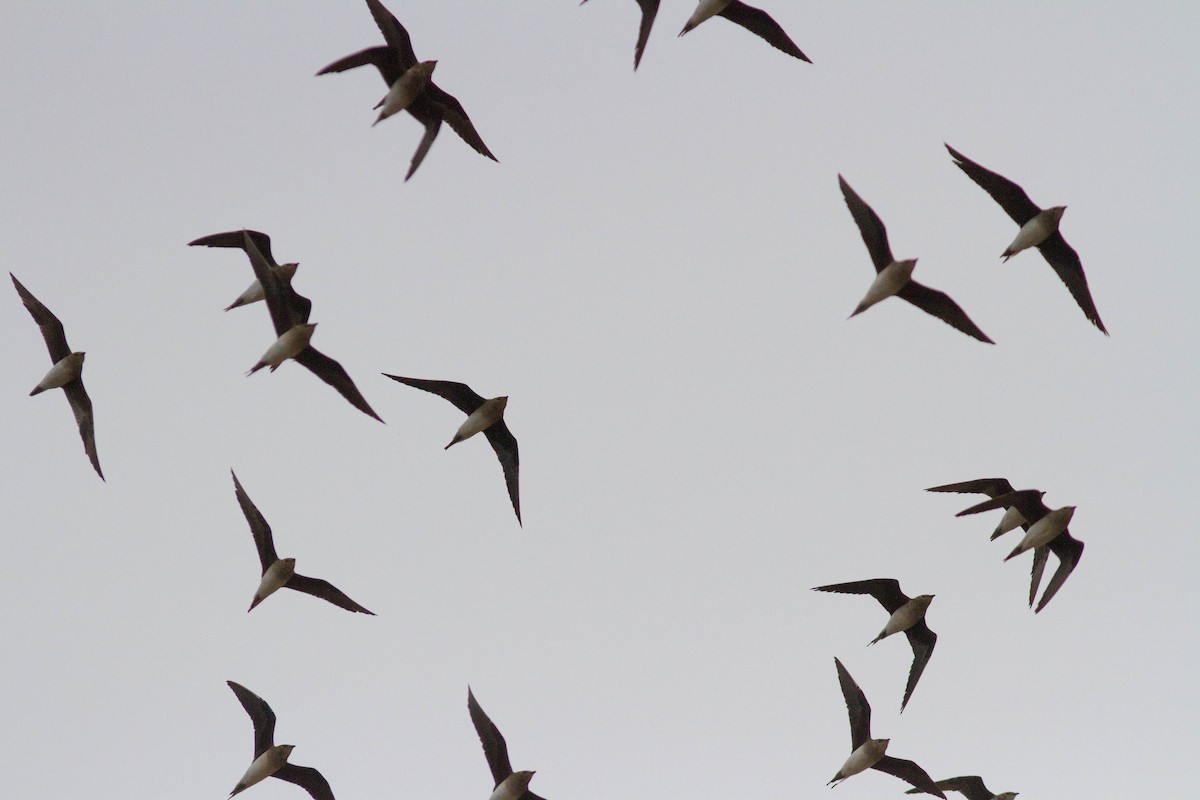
<point x="1039" y="228"/>
<point x="482" y="415"/>
<point x="907" y="615"/>
<point x="254" y="292"/>
<point x="992" y="487"/>
<point x="405" y="90"/>
<point x="509" y="785"/>
<point x="649" y="11"/>
<point x="432" y="106"/>
<point x="752" y="19"/>
<point x="971" y="787"/>
<point x="289" y="314"/>
<point x="270" y="759"/>
<point x="1045" y="532"/>
<point x="67" y="372"/>
<point x="895" y="277"/>
<point x="280" y="572"/>
<point x="868" y="753"/>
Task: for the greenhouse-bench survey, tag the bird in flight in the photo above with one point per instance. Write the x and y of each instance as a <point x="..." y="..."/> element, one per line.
<point x="1039" y="228"/>
<point x="431" y="106"/>
<point x="67" y="372"/>
<point x="907" y="615"/>
<point x="482" y="415"/>
<point x="254" y="292"/>
<point x="270" y="759"/>
<point x="895" y="277"/>
<point x="752" y="19"/>
<point x="280" y="572"/>
<point x="509" y="785"/>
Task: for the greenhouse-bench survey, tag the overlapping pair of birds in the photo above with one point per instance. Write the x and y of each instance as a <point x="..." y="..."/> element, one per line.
<point x="411" y="88"/>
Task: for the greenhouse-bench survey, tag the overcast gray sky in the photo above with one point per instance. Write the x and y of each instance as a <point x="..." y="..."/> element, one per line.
<point x="658" y="274"/>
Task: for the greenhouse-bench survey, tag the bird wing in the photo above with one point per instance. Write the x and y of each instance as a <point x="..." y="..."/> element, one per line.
<point x="909" y="772"/>
<point x="971" y="786"/>
<point x="395" y="34"/>
<point x="941" y="306"/>
<point x="505" y="445"/>
<point x="1012" y="198"/>
<point x="649" y="12"/>
<point x="857" y="707"/>
<point x="494" y="748"/>
<point x="287" y="307"/>
<point x="326" y="591"/>
<point x="1027" y="501"/>
<point x="992" y="487"/>
<point x="259" y="528"/>
<point x="381" y="57"/>
<point x="81" y="404"/>
<point x="452" y="111"/>
<point x="332" y="373"/>
<point x="885" y="590"/>
<point x="52" y="329"/>
<point x="764" y="25"/>
<point x="1036" y="570"/>
<point x="308" y="778"/>
<point x="870" y="226"/>
<point x="1069" y="550"/>
<point x="1066" y="263"/>
<point x="238" y="239"/>
<point x="433" y="124"/>
<point x="459" y="394"/>
<point x="260" y="714"/>
<point x="922" y="640"/>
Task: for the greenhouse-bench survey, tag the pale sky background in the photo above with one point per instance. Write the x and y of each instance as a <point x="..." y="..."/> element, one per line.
<point x="658" y="274"/>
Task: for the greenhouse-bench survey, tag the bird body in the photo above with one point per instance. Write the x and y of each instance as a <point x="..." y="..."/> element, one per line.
<point x="288" y="345"/>
<point x="890" y="280"/>
<point x="1035" y="231"/>
<point x="65" y="370"/>
<point x="865" y="756"/>
<point x="405" y="90"/>
<point x="1044" y="530"/>
<point x="254" y="292"/>
<point x="705" y="10"/>
<point x="264" y="766"/>
<point x="512" y="787"/>
<point x="905" y="616"/>
<point x="482" y="418"/>
<point x="1012" y="519"/>
<point x="274" y="579"/>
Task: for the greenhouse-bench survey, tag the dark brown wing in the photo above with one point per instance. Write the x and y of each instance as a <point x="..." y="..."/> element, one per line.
<point x="260" y="714"/>
<point x="910" y="773"/>
<point x="870" y="226"/>
<point x="1069" y="550"/>
<point x="857" y="706"/>
<point x="941" y="306"/>
<point x="238" y="239"/>
<point x="495" y="750"/>
<point x="308" y="778"/>
<point x="992" y="487"/>
<point x="885" y="590"/>
<point x="1066" y="263"/>
<point x="332" y="373"/>
<point x="287" y="307"/>
<point x="433" y="124"/>
<point x="459" y="394"/>
<point x="381" y="57"/>
<point x="1012" y="198"/>
<point x="52" y="329"/>
<point x="326" y="591"/>
<point x="259" y="528"/>
<point x="922" y="640"/>
<point x="81" y="404"/>
<point x="761" y="23"/>
<point x="1027" y="501"/>
<point x="395" y="34"/>
<point x="970" y="786"/>
<point x="505" y="445"/>
<point x="1040" y="556"/>
<point x="649" y="12"/>
<point x="456" y="116"/>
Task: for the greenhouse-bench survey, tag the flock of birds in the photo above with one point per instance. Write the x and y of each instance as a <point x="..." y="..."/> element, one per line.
<point x="410" y="88"/>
